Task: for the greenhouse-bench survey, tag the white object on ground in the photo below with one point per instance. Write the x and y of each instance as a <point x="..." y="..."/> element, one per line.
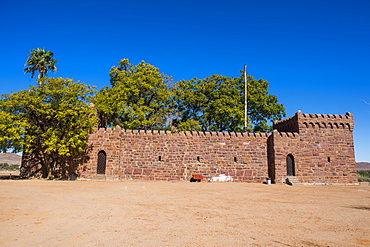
<point x="222" y="178"/>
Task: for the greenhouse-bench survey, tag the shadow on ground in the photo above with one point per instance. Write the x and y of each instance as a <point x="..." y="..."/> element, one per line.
<point x="362" y="208"/>
<point x="10" y="177"/>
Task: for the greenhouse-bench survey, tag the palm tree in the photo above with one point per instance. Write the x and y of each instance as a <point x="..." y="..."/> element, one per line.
<point x="41" y="61"/>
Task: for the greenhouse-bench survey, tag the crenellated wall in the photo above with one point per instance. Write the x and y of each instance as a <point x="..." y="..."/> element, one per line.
<point x="287" y="125"/>
<point x="301" y="121"/>
<point x="315" y="148"/>
<point x="323" y="148"/>
<point x="161" y="155"/>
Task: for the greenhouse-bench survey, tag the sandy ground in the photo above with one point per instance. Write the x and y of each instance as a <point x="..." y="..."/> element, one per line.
<point x="121" y="213"/>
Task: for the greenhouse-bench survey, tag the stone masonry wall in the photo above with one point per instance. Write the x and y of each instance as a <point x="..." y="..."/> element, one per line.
<point x="154" y="155"/>
<point x="285" y="143"/>
<point x="323" y="149"/>
<point x="321" y="146"/>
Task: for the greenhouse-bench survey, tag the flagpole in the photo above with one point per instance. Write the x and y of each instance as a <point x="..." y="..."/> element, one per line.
<point x="245" y="99"/>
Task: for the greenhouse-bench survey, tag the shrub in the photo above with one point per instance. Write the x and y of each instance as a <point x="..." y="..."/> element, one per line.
<point x="363" y="176"/>
<point x="7" y="167"/>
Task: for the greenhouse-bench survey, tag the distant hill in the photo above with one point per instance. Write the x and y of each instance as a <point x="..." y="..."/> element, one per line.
<point x="363" y="166"/>
<point x="10" y="158"/>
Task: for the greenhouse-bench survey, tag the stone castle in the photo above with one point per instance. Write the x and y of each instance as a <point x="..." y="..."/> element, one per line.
<point x="313" y="148"/>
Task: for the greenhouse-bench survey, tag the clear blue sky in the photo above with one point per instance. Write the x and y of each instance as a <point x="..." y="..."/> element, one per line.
<point x="315" y="54"/>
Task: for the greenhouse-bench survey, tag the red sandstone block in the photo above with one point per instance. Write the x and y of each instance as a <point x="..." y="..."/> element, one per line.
<point x="248" y="173"/>
<point x="239" y="173"/>
<point x="224" y="171"/>
<point x="147" y="171"/>
<point x="137" y="171"/>
<point x="128" y="171"/>
<point x="232" y="173"/>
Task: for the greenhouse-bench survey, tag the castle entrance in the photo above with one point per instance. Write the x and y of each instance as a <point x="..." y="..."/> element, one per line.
<point x="102" y="162"/>
<point x="290" y="166"/>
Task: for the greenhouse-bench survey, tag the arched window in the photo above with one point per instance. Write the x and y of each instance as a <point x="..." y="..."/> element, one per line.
<point x="290" y="166"/>
<point x="102" y="162"/>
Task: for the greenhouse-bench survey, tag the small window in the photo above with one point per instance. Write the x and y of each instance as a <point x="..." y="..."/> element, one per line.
<point x="235" y="159"/>
<point x="198" y="158"/>
<point x="329" y="159"/>
<point x="159" y="158"/>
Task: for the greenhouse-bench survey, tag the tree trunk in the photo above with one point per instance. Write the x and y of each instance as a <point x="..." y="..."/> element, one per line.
<point x="51" y="166"/>
<point x="45" y="170"/>
<point x="47" y="167"/>
<point x="44" y="166"/>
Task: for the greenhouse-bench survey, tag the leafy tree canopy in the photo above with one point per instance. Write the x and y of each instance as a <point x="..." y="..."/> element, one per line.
<point x="51" y="121"/>
<point x="40" y="61"/>
<point x="139" y="97"/>
<point x="216" y="103"/>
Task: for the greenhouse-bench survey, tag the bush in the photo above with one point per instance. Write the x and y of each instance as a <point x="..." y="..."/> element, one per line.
<point x="7" y="167"/>
<point x="363" y="176"/>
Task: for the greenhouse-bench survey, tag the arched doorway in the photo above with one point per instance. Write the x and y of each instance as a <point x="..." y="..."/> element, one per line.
<point x="290" y="166"/>
<point x="102" y="162"/>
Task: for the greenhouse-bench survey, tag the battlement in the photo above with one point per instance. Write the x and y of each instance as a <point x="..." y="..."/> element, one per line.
<point x="289" y="124"/>
<point x="326" y="121"/>
<point x="118" y="130"/>
<point x="286" y="134"/>
<point x="326" y="116"/>
<point x="311" y="121"/>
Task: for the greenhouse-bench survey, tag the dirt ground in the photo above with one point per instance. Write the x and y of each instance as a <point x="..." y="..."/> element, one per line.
<point x="135" y="213"/>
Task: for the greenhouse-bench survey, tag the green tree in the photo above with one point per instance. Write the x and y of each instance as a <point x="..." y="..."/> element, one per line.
<point x="12" y="129"/>
<point x="40" y="61"/>
<point x="139" y="97"/>
<point x="216" y="103"/>
<point x="49" y="123"/>
<point x="263" y="108"/>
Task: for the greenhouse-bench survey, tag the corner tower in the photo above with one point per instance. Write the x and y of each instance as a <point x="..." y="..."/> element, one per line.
<point x="316" y="148"/>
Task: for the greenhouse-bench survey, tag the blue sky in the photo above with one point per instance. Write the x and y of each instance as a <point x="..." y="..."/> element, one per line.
<point x="315" y="54"/>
